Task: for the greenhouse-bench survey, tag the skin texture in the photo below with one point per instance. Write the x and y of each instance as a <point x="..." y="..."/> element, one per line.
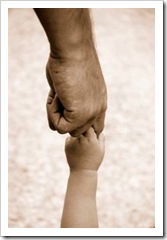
<point x="77" y="98"/>
<point x="84" y="156"/>
<point x="85" y="152"/>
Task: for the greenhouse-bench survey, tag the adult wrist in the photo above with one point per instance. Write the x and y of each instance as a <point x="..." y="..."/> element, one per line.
<point x="73" y="49"/>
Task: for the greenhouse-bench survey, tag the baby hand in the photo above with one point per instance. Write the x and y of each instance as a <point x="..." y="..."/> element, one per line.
<point x="85" y="152"/>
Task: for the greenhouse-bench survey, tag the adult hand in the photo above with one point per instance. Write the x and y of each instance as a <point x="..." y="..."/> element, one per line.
<point x="77" y="97"/>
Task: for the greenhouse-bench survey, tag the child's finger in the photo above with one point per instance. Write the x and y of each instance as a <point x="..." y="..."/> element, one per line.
<point x="70" y="139"/>
<point x="81" y="130"/>
<point x="67" y="139"/>
<point x="90" y="133"/>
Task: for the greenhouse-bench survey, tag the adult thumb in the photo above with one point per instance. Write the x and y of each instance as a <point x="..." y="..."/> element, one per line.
<point x="57" y="114"/>
<point x="99" y="124"/>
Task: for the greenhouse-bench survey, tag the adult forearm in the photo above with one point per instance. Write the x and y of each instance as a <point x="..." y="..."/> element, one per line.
<point x="67" y="29"/>
<point x="80" y="201"/>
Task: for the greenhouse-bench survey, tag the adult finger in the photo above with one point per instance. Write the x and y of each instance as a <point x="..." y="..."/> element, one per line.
<point x="99" y="124"/>
<point x="48" y="104"/>
<point x="50" y="123"/>
<point x="55" y="110"/>
<point x="101" y="139"/>
<point x="57" y="114"/>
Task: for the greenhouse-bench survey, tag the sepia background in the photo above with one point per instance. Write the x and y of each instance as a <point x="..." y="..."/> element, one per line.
<point x="38" y="171"/>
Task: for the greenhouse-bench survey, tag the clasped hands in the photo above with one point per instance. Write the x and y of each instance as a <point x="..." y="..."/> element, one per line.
<point x="77" y="98"/>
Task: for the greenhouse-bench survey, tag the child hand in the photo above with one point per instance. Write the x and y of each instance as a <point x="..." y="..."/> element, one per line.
<point x="85" y="152"/>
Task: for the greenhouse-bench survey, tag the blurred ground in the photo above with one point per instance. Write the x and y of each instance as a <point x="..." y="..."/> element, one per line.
<point x="38" y="171"/>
